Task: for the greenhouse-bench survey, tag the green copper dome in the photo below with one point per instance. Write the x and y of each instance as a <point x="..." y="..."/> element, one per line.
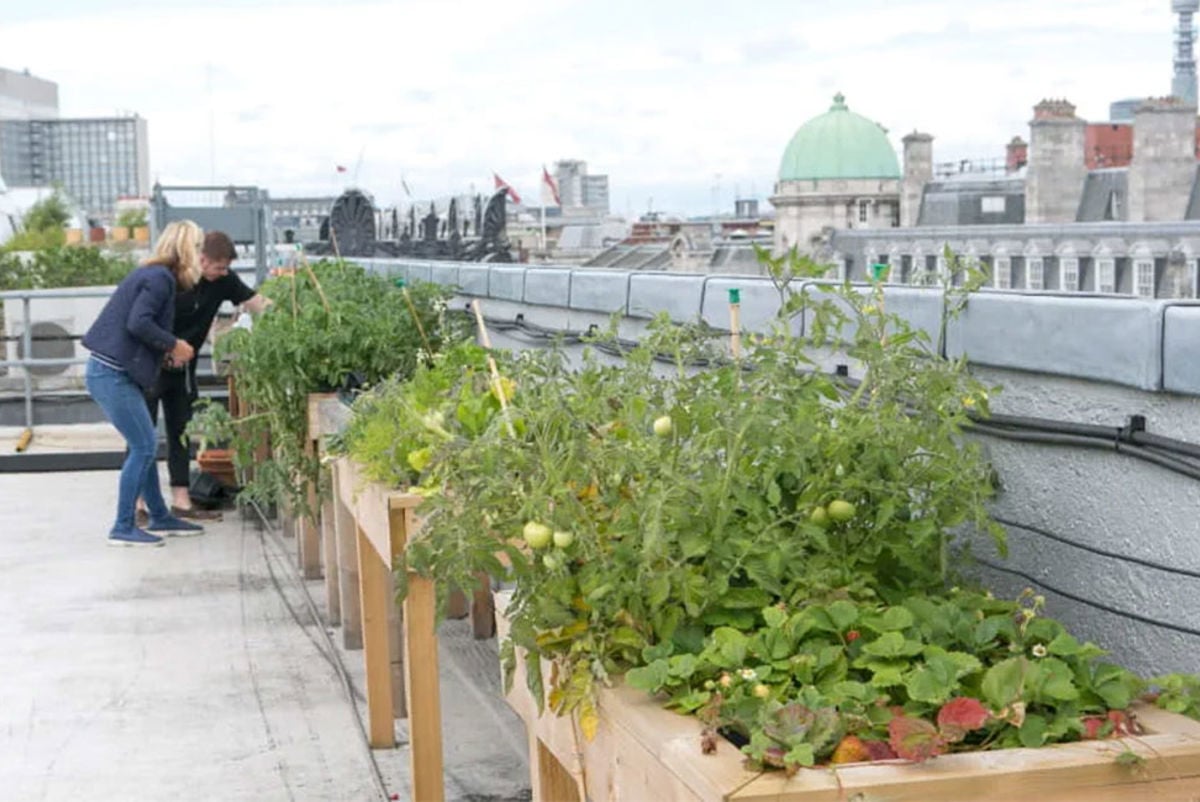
<point x="839" y="144"/>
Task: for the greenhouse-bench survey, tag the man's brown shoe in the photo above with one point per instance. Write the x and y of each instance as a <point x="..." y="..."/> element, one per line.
<point x="195" y="514"/>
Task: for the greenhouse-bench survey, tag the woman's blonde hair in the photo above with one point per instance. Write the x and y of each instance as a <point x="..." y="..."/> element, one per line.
<point x="178" y="248"/>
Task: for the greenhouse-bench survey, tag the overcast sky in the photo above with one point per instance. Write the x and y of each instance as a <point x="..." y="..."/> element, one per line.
<point x="662" y="95"/>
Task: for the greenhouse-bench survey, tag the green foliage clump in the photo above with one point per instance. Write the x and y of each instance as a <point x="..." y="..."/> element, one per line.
<point x="329" y="322"/>
<point x="62" y="266"/>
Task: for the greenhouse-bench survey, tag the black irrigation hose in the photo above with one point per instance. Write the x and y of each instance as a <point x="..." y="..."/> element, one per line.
<point x="1088" y="602"/>
<point x="1188" y="572"/>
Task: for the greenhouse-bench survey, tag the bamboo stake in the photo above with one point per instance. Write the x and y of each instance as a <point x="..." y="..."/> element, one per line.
<point x="416" y="318"/>
<point x="495" y="372"/>
<point x="735" y="323"/>
<point x="313" y="277"/>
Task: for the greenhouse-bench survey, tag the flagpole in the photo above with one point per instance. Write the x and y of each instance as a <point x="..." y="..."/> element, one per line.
<point x="545" y="253"/>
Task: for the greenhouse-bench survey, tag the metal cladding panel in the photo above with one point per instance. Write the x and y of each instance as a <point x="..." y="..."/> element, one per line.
<point x="446" y="274"/>
<point x="507" y="283"/>
<point x="473" y="279"/>
<point x="677" y="295"/>
<point x="759" y="302"/>
<point x="1181" y="334"/>
<point x="1086" y="337"/>
<point x="548" y="286"/>
<point x="599" y="290"/>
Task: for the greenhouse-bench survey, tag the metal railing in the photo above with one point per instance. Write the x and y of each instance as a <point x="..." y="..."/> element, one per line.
<point x="26" y="361"/>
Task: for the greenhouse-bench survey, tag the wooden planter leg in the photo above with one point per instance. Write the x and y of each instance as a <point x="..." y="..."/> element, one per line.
<point x="333" y="597"/>
<point x="421" y="676"/>
<point x="456" y="604"/>
<point x="346" y="533"/>
<point x="375" y="575"/>
<point x="483" y="610"/>
<point x="307" y="533"/>
<point x="551" y="782"/>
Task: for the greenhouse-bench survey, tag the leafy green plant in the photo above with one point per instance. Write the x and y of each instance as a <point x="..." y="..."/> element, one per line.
<point x="62" y="267"/>
<point x="328" y="323"/>
<point x="132" y="218"/>
<point x="49" y="213"/>
<point x="211" y="424"/>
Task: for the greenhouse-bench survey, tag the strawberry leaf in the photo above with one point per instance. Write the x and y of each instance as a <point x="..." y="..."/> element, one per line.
<point x="960" y="716"/>
<point x="914" y="739"/>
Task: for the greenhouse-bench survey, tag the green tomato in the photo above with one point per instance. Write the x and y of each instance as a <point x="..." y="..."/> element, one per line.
<point x="840" y="510"/>
<point x="551" y="562"/>
<point x="819" y="517"/>
<point x="537" y="535"/>
<point x="663" y="426"/>
<point x="563" y="539"/>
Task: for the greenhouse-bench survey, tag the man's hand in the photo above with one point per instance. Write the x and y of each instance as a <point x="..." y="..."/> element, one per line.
<point x="182" y="353"/>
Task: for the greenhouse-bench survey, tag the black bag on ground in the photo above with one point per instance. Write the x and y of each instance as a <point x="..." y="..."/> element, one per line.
<point x="207" y="492"/>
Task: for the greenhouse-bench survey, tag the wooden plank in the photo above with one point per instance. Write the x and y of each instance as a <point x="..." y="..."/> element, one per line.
<point x="329" y="543"/>
<point x="421" y="661"/>
<point x="309" y="534"/>
<point x="346" y="534"/>
<point x="1050" y="772"/>
<point x="550" y="780"/>
<point x="395" y="617"/>
<point x="373" y="574"/>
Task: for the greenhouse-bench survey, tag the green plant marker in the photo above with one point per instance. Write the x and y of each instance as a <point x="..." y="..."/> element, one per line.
<point x="879" y="271"/>
<point x="399" y="283"/>
<point x="735" y="296"/>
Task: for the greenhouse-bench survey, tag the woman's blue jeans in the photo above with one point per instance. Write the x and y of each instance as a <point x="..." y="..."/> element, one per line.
<point x="125" y="406"/>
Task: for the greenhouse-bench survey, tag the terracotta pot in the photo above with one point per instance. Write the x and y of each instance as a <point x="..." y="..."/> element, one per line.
<point x="219" y="463"/>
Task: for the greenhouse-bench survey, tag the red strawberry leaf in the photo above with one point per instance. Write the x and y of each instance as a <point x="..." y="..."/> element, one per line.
<point x="1093" y="727"/>
<point x="960" y="716"/>
<point x="914" y="739"/>
<point x="879" y="750"/>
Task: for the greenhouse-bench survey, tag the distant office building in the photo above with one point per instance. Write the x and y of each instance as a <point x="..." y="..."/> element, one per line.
<point x="578" y="192"/>
<point x="25" y="97"/>
<point x="299" y="219"/>
<point x="95" y="160"/>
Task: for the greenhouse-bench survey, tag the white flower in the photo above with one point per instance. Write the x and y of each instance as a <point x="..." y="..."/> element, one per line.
<point x="1039" y="650"/>
<point x="748" y="674"/>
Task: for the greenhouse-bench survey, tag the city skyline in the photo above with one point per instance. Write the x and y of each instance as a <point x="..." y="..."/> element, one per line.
<point x="684" y="103"/>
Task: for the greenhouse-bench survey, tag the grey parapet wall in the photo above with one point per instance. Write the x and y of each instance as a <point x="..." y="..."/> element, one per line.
<point x="1064" y="357"/>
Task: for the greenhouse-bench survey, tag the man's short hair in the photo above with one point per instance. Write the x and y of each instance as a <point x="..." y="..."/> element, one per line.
<point x="219" y="247"/>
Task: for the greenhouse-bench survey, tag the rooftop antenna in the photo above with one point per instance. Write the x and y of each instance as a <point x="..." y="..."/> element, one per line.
<point x="1184" y="84"/>
<point x="363" y="150"/>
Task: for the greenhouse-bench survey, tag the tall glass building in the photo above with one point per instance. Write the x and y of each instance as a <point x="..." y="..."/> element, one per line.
<point x="95" y="160"/>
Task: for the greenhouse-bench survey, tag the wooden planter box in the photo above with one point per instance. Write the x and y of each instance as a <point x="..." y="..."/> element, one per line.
<point x="645" y="752"/>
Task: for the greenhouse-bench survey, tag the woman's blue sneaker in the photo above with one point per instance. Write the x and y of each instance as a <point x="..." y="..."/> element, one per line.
<point x="174" y="526"/>
<point x="134" y="537"/>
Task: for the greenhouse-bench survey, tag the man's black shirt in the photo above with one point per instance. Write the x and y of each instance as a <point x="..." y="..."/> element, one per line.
<point x="196" y="309"/>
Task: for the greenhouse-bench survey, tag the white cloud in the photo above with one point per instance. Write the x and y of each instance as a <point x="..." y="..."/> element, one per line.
<point x="656" y="95"/>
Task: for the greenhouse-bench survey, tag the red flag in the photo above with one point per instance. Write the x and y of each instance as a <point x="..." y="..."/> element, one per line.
<point x="548" y="180"/>
<point x="341" y="169"/>
<point x="502" y="184"/>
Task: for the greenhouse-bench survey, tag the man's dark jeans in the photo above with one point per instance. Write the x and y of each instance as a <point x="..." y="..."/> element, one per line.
<point x="176" y="389"/>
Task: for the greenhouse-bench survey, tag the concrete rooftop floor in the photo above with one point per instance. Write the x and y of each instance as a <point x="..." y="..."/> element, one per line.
<point x="197" y="672"/>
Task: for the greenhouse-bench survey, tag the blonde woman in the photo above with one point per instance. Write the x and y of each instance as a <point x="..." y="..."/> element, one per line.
<point x="129" y="342"/>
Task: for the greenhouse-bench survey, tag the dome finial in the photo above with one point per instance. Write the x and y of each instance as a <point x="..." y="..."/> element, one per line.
<point x="839" y="102"/>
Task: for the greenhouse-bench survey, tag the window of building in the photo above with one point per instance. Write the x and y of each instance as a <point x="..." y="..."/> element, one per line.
<point x="1035" y="273"/>
<point x="993" y="204"/>
<point x="1113" y="212"/>
<point x="1106" y="275"/>
<point x="864" y="211"/>
<point x="1003" y="272"/>
<point x="1069" y="268"/>
<point x="1143" y="278"/>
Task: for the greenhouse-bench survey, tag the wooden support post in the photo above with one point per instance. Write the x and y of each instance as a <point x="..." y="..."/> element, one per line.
<point x="374" y="573"/>
<point x="329" y="542"/>
<point x="421" y="661"/>
<point x="456" y="604"/>
<point x="483" y="610"/>
<point x="308" y="535"/>
<point x="346" y="534"/>
<point x="396" y="650"/>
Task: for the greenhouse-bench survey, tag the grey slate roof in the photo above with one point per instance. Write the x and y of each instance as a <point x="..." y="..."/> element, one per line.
<point x="1096" y="204"/>
<point x="960" y="202"/>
